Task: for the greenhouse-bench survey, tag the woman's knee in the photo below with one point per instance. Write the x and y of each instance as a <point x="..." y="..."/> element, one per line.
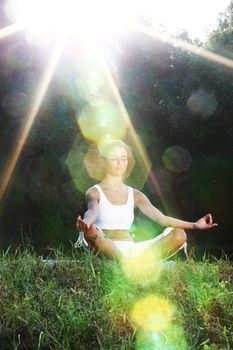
<point x="179" y="236"/>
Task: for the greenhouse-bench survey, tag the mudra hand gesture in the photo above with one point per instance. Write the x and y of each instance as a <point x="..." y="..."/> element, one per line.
<point x="205" y="223"/>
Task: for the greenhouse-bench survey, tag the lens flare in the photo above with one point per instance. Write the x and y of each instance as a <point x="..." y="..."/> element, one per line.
<point x="9" y="30"/>
<point x="142" y="268"/>
<point x="95" y="82"/>
<point x="92" y="81"/>
<point x="46" y="79"/>
<point x="51" y="18"/>
<point x="177" y="159"/>
<point x="172" y="338"/>
<point x="139" y="176"/>
<point x="165" y="180"/>
<point x="95" y="165"/>
<point x="143" y="228"/>
<point x="152" y="313"/>
<point x="202" y="103"/>
<point x="199" y="51"/>
<point x="102" y="117"/>
<point x="74" y="162"/>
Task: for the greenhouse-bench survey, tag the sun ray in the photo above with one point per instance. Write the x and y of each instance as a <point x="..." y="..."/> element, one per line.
<point x="184" y="45"/>
<point x="11" y="29"/>
<point x="55" y="56"/>
<point x="135" y="137"/>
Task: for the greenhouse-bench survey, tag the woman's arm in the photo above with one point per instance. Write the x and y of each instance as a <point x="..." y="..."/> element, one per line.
<point x="90" y="216"/>
<point x="143" y="203"/>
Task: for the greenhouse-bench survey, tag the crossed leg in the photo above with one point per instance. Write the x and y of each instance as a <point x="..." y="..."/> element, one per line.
<point x="97" y="240"/>
<point x="167" y="245"/>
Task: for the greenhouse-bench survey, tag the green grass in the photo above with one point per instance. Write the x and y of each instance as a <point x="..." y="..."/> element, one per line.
<point x="87" y="304"/>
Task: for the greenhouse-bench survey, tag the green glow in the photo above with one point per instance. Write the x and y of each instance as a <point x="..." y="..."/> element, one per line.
<point x="102" y="117"/>
<point x="172" y="338"/>
<point x="74" y="162"/>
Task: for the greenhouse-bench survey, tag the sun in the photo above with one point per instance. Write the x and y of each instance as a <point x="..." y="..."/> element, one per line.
<point x="73" y="18"/>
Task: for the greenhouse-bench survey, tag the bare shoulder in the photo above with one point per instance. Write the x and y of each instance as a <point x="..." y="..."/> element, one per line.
<point x="92" y="194"/>
<point x="139" y="197"/>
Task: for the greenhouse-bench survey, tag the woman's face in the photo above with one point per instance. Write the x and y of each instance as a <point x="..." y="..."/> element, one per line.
<point x="117" y="161"/>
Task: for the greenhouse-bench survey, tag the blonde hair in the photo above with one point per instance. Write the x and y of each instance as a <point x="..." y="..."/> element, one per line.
<point x="108" y="146"/>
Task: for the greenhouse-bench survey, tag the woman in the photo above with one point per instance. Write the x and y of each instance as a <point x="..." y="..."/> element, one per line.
<point x="106" y="223"/>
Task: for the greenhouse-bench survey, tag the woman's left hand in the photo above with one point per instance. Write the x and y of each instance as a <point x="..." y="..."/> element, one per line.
<point x="205" y="223"/>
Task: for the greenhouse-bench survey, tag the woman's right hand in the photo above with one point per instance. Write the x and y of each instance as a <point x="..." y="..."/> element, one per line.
<point x="81" y="225"/>
<point x="205" y="223"/>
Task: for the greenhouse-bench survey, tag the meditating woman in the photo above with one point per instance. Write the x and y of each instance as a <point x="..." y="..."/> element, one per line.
<point x="106" y="223"/>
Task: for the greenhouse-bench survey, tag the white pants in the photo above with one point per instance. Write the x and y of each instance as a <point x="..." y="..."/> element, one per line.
<point x="134" y="249"/>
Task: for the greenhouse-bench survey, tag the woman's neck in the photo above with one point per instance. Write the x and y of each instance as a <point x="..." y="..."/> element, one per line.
<point x="114" y="182"/>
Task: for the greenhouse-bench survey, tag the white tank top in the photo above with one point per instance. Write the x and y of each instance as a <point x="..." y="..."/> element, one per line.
<point x="112" y="216"/>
